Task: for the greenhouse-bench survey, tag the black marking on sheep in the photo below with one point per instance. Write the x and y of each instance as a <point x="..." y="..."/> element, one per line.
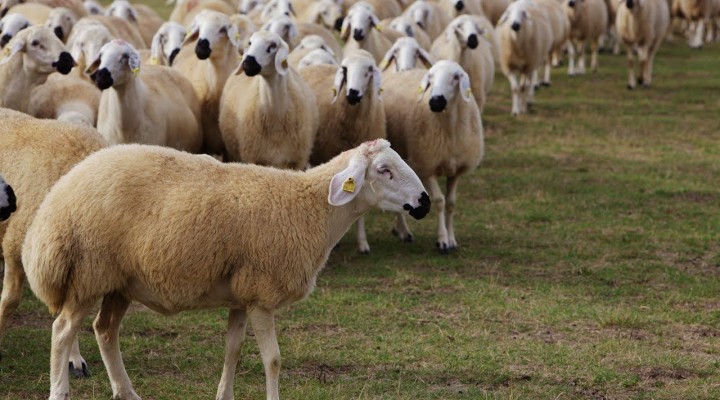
<point x="103" y="79"/>
<point x="354" y="97"/>
<point x="202" y="49"/>
<point x="472" y="41"/>
<point x="59" y="32"/>
<point x="251" y="66"/>
<point x="12" y="204"/>
<point x="65" y="63"/>
<point x="459" y="6"/>
<point x="5" y="39"/>
<point x="438" y="103"/>
<point x="172" y="56"/>
<point x="423" y="210"/>
<point x="358" y="35"/>
<point x="339" y="23"/>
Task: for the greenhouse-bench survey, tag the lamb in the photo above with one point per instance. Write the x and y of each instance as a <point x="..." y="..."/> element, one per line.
<point x="468" y="42"/>
<point x="32" y="55"/>
<point x="429" y="17"/>
<point x="10" y="25"/>
<point x="405" y="55"/>
<point x="588" y="23"/>
<point x="34" y="154"/>
<point x="208" y="67"/>
<point x="61" y="20"/>
<point x="167" y="43"/>
<point x="315" y="57"/>
<point x="154" y="106"/>
<point x="8" y="203"/>
<point x="260" y="246"/>
<point x="308" y="45"/>
<point x="141" y="16"/>
<point x="441" y="138"/>
<point x="293" y="33"/>
<point x="642" y="25"/>
<point x="268" y="116"/>
<point x="560" y="25"/>
<point x="346" y="123"/>
<point x="363" y="24"/>
<point x="525" y="39"/>
<point x="66" y="98"/>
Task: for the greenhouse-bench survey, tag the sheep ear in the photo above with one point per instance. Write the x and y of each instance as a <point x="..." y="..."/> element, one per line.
<point x="132" y="15"/>
<point x="377" y="80"/>
<point x="18" y="46"/>
<point x="346" y="184"/>
<point x="339" y="83"/>
<point x="155" y="48"/>
<point x="292" y="32"/>
<point x="234" y="36"/>
<point x="376" y="23"/>
<point x="93" y="67"/>
<point x="464" y="87"/>
<point x="281" y="62"/>
<point x="134" y="62"/>
<point x="503" y="18"/>
<point x="345" y="30"/>
<point x="328" y="49"/>
<point x="292" y="9"/>
<point x="425" y="58"/>
<point x="388" y="59"/>
<point x="424" y="86"/>
<point x="192" y="33"/>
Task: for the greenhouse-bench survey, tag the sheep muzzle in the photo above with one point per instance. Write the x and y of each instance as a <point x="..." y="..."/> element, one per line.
<point x="251" y="66"/>
<point x="358" y="35"/>
<point x="202" y="49"/>
<point x="459" y="6"/>
<point x="59" y="32"/>
<point x="354" y="97"/>
<point x="472" y="41"/>
<point x="421" y="211"/>
<point x="338" y="24"/>
<point x="103" y="79"/>
<point x="172" y="56"/>
<point x="65" y="63"/>
<point x="438" y="104"/>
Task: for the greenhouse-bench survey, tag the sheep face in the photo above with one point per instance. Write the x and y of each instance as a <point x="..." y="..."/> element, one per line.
<point x="447" y="79"/>
<point x="7" y="200"/>
<point x="42" y="51"/>
<point x="403" y="25"/>
<point x="359" y="74"/>
<point x="246" y="6"/>
<point x="277" y="8"/>
<point x="167" y="43"/>
<point x="327" y="13"/>
<point x="117" y="63"/>
<point x="516" y="16"/>
<point x="359" y="21"/>
<point x="420" y="13"/>
<point x="87" y="42"/>
<point x="122" y="9"/>
<point x="10" y="26"/>
<point x="317" y="57"/>
<point x="283" y="26"/>
<point x="212" y="30"/>
<point x="466" y="30"/>
<point x="93" y="8"/>
<point x="406" y="52"/>
<point x="60" y="21"/>
<point x="379" y="177"/>
<point x="315" y="42"/>
<point x="6" y="5"/>
<point x="266" y="54"/>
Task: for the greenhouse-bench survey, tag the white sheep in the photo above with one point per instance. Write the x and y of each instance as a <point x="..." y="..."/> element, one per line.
<point x="66" y="98"/>
<point x="307" y="45"/>
<point x="440" y="137"/>
<point x="406" y="54"/>
<point x="8" y="201"/>
<point x="494" y="9"/>
<point x="208" y="65"/>
<point x="258" y="248"/>
<point x="360" y="30"/>
<point x="142" y="16"/>
<point x="588" y="23"/>
<point x="166" y="43"/>
<point x="351" y="114"/>
<point x="404" y="25"/>
<point x="701" y="15"/>
<point x="185" y="11"/>
<point x="327" y="13"/>
<point x="641" y="25"/>
<point x="268" y="114"/>
<point x="32" y="55"/>
<point x="155" y="105"/>
<point x="560" y="25"/>
<point x="293" y="33"/>
<point x="85" y="42"/>
<point x="36" y="13"/>
<point x="316" y="57"/>
<point x="93" y="8"/>
<point x="428" y="16"/>
<point x="34" y="154"/>
<point x="61" y="20"/>
<point x="525" y="40"/>
<point x="468" y="40"/>
<point x="10" y="25"/>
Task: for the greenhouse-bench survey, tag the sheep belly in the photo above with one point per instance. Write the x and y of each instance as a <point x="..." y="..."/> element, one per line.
<point x="219" y="294"/>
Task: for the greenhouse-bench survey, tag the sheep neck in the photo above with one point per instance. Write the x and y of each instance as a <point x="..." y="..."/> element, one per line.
<point x="17" y="87"/>
<point x="129" y="104"/>
<point x="274" y="92"/>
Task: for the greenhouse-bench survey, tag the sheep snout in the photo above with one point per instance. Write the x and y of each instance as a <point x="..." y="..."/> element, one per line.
<point x="102" y="78"/>
<point x="515" y="26"/>
<point x="251" y="66"/>
<point x="59" y="32"/>
<point x="421" y="211"/>
<point x="358" y="35"/>
<point x="202" y="49"/>
<point x="438" y="104"/>
<point x="459" y="6"/>
<point x="571" y="3"/>
<point x="472" y="41"/>
<point x="65" y="63"/>
<point x="629" y="4"/>
<point x="5" y="39"/>
<point x="354" y="97"/>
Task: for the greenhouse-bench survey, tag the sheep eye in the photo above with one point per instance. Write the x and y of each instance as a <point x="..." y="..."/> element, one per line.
<point x="223" y="29"/>
<point x="35" y="43"/>
<point x="385" y="170"/>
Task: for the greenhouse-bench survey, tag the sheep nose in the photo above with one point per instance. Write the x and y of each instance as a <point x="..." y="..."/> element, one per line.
<point x="64" y="63"/>
<point x="472" y="41"/>
<point x="629" y="4"/>
<point x="354" y="97"/>
<point x="358" y="35"/>
<point x="202" y="49"/>
<point x="338" y="24"/>
<point x="103" y="79"/>
<point x="515" y="26"/>
<point x="438" y="103"/>
<point x="251" y="66"/>
<point x="5" y="39"/>
<point x="11" y="206"/>
<point x="459" y="5"/>
<point x="571" y="3"/>
<point x="172" y="56"/>
<point x="59" y="32"/>
<point x="421" y="211"/>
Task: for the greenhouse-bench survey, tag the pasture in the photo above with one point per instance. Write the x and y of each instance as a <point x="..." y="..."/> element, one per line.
<point x="588" y="268"/>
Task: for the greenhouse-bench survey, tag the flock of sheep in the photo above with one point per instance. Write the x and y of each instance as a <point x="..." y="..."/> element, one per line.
<point x="316" y="89"/>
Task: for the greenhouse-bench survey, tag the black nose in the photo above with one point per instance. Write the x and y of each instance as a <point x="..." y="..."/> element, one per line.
<point x="11" y="207"/>
<point x="65" y="63"/>
<point x="515" y="26"/>
<point x="202" y="49"/>
<point x="459" y="5"/>
<point x="59" y="32"/>
<point x="251" y="66"/>
<point x="172" y="56"/>
<point x="423" y="210"/>
<point x="338" y="24"/>
<point x="571" y="3"/>
<point x="472" y="41"/>
<point x="5" y="39"/>
<point x="103" y="79"/>
<point x="438" y="103"/>
<point x="358" y="35"/>
<point x="629" y="4"/>
<point x="353" y="97"/>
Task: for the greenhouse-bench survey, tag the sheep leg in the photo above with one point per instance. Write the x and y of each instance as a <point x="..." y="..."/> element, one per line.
<point x="263" y="323"/>
<point x="237" y="324"/>
<point x="525" y="84"/>
<point x="631" y="68"/>
<point x="64" y="332"/>
<point x="363" y="246"/>
<point x="11" y="291"/>
<point x="515" y="88"/>
<point x="451" y="196"/>
<point x="696" y="41"/>
<point x="402" y="230"/>
<point x="581" y="58"/>
<point x="438" y="200"/>
<point x="594" y="49"/>
<point x="107" y="332"/>
<point x="548" y="69"/>
<point x="642" y="60"/>
<point x="78" y="366"/>
<point x="571" y="58"/>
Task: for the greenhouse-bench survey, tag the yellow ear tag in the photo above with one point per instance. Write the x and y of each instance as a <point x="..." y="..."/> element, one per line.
<point x="349" y="185"/>
<point x="237" y="36"/>
<point x="334" y="91"/>
<point x="7" y="51"/>
<point x="381" y="90"/>
<point x="379" y="28"/>
<point x="383" y="64"/>
<point x="284" y="63"/>
<point x="135" y="71"/>
<point x="420" y="90"/>
<point x="154" y="61"/>
<point x="468" y="92"/>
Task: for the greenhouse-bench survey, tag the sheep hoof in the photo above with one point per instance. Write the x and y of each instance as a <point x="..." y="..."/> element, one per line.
<point x="545" y="84"/>
<point x="631" y="87"/>
<point x="640" y="81"/>
<point x="443" y="248"/>
<point x="365" y="252"/>
<point x="82" y="372"/>
<point x="406" y="238"/>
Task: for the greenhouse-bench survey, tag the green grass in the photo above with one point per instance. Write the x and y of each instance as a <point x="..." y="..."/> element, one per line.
<point x="589" y="268"/>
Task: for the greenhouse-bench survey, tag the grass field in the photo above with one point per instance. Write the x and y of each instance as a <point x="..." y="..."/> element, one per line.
<point x="589" y="268"/>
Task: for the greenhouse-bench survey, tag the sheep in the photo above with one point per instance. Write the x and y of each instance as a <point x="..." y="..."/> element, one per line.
<point x="118" y="27"/>
<point x="268" y="116"/>
<point x="93" y="8"/>
<point x="410" y="29"/>
<point x="405" y="55"/>
<point x="141" y="16"/>
<point x="245" y="28"/>
<point x="467" y="40"/>
<point x="185" y="11"/>
<point x="642" y="25"/>
<point x="66" y="98"/>
<point x="30" y="57"/>
<point x="455" y="8"/>
<point x="494" y="9"/>
<point x="315" y="57"/>
<point x="700" y="13"/>
<point x="10" y="25"/>
<point x="36" y="13"/>
<point x="382" y="8"/>
<point x="327" y="13"/>
<point x="85" y="42"/>
<point x="308" y="45"/>
<point x="363" y="24"/>
<point x="304" y="30"/>
<point x="40" y="13"/>
<point x="155" y="105"/>
<point x="588" y="23"/>
<point x="259" y="248"/>
<point x="8" y="203"/>
<point x="166" y="43"/>
<point x="429" y="17"/>
<point x="284" y="27"/>
<point x="208" y="65"/>
<point x="560" y="25"/>
<point x="525" y="39"/>
<point x="443" y="137"/>
<point x="61" y="20"/>
<point x="34" y="154"/>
